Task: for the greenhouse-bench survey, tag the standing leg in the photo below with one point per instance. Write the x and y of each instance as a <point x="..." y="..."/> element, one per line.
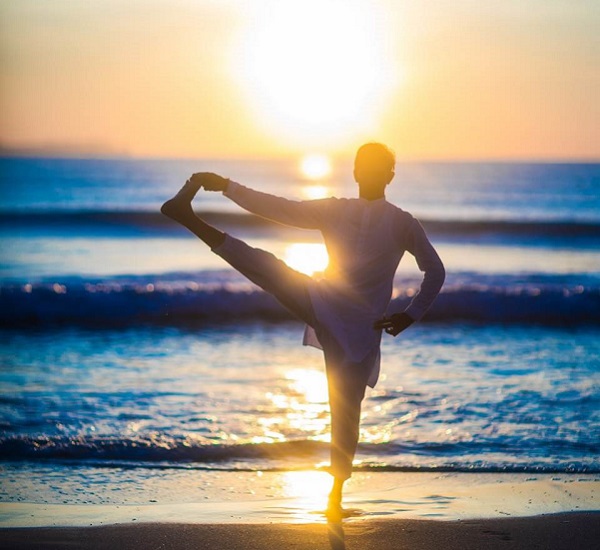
<point x="346" y="381"/>
<point x="347" y="384"/>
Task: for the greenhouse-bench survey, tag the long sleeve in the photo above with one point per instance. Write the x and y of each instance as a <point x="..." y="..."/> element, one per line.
<point x="302" y="214"/>
<point x="433" y="271"/>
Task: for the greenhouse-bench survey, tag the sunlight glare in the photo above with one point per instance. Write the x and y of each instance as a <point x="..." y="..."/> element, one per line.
<point x="313" y="192"/>
<point x="308" y="488"/>
<point x="303" y="404"/>
<point x="319" y="70"/>
<point x="315" y="166"/>
<point x="311" y="384"/>
<point x="308" y="258"/>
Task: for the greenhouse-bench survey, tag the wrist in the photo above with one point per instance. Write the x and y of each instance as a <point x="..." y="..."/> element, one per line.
<point x="405" y="317"/>
<point x="402" y="321"/>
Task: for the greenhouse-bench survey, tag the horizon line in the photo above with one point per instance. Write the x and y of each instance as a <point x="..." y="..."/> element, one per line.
<point x="33" y="153"/>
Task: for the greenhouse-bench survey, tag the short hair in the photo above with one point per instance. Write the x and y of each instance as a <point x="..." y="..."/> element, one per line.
<point x="375" y="156"/>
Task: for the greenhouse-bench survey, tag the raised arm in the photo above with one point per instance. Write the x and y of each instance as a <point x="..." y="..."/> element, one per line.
<point x="303" y="214"/>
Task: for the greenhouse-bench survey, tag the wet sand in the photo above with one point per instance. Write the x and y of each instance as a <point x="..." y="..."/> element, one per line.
<point x="282" y="510"/>
<point x="81" y="497"/>
<point x="552" y="532"/>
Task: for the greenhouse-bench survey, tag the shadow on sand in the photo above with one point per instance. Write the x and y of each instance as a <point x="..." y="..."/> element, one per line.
<point x="335" y="533"/>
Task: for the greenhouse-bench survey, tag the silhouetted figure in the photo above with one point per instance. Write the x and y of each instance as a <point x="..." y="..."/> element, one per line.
<point x="345" y="311"/>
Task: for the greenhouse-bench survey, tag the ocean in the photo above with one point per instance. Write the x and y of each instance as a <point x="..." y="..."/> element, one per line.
<point x="126" y="345"/>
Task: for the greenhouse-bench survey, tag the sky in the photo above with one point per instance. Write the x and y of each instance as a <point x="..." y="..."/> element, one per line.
<point x="434" y="79"/>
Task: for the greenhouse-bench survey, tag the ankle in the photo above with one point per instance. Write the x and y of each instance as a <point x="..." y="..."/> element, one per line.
<point x="177" y="209"/>
<point x="335" y="496"/>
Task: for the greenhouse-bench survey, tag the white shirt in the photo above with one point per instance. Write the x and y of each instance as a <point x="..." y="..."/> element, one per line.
<point x="365" y="241"/>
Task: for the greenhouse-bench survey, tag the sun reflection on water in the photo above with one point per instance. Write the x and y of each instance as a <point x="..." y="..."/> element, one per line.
<point x="303" y="406"/>
<point x="308" y="488"/>
<point x="308" y="258"/>
<point x="316" y="191"/>
<point x="315" y="166"/>
<point x="311" y="384"/>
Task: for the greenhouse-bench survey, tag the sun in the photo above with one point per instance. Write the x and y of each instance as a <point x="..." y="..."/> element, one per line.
<point x="317" y="69"/>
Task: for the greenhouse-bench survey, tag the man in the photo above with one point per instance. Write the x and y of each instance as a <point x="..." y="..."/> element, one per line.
<point x="345" y="311"/>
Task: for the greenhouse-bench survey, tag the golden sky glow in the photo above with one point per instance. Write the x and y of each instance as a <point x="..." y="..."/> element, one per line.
<point x="233" y="78"/>
<point x="317" y="67"/>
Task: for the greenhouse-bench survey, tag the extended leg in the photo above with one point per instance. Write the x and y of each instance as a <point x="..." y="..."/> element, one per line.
<point x="179" y="208"/>
<point x="265" y="270"/>
<point x="290" y="287"/>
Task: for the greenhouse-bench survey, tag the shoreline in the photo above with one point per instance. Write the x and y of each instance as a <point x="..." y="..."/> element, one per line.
<point x="83" y="497"/>
<point x="563" y="531"/>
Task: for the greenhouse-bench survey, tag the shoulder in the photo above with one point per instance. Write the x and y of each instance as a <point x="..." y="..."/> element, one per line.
<point x="325" y="204"/>
<point x="402" y="218"/>
<point x="334" y="203"/>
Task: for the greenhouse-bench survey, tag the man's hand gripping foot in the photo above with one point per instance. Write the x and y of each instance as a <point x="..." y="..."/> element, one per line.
<point x="179" y="208"/>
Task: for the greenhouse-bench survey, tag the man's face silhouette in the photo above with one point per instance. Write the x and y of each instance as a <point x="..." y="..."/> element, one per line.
<point x="373" y="169"/>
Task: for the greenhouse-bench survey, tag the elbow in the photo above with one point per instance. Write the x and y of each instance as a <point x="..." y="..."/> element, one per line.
<point x="441" y="274"/>
<point x="437" y="275"/>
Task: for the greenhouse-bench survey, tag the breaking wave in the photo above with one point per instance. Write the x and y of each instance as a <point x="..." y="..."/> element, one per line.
<point x="206" y="299"/>
<point x="165" y="452"/>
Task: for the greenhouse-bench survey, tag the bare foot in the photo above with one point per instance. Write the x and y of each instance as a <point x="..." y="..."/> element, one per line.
<point x="179" y="208"/>
<point x="334" y="511"/>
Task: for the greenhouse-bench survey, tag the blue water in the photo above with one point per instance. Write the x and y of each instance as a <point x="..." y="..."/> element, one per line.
<point x="124" y="341"/>
<point x="443" y="191"/>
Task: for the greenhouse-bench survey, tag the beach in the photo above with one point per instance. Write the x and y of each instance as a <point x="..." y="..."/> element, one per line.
<point x="249" y="510"/>
<point x="556" y="532"/>
<point x="275" y="510"/>
<point x="153" y="398"/>
<point x="419" y="182"/>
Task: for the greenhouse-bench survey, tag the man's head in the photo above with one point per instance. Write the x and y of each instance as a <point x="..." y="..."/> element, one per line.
<point x="373" y="169"/>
